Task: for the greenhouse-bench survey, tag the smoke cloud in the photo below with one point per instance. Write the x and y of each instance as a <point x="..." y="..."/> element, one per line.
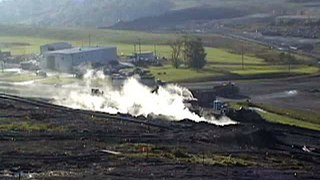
<point x="133" y="98"/>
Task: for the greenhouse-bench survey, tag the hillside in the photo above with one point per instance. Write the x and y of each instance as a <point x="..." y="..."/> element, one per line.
<point x="200" y="14"/>
<point x="105" y="13"/>
<point x="180" y="17"/>
<point x="97" y="13"/>
<point x="91" y="13"/>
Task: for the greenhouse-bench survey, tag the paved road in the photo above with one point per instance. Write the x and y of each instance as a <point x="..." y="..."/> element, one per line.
<point x="298" y="93"/>
<point x="263" y="40"/>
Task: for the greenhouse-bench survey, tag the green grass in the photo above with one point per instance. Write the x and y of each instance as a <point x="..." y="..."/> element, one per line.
<point x="170" y="74"/>
<point x="213" y="72"/>
<point x="36" y="42"/>
<point x="29" y="127"/>
<point x="224" y="56"/>
<point x="289" y="117"/>
<point x="220" y="160"/>
<point x="294" y="114"/>
<point x="214" y="55"/>
<point x="36" y="36"/>
<point x="179" y="155"/>
<point x="133" y="151"/>
<point x="265" y="70"/>
<point x="55" y="80"/>
<point x="14" y="77"/>
<point x="209" y="160"/>
<point x="81" y="35"/>
<point x="224" y="61"/>
<point x="280" y="119"/>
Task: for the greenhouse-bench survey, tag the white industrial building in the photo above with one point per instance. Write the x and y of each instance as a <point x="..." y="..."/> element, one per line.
<point x="54" y="47"/>
<point x="66" y="60"/>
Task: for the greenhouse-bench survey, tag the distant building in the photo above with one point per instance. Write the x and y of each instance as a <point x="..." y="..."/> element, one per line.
<point x="296" y="19"/>
<point x="145" y="56"/>
<point x="54" y="47"/>
<point x="30" y="65"/>
<point x="67" y="59"/>
<point x="4" y="55"/>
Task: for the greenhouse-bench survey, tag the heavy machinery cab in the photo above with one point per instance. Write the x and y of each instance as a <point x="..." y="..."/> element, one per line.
<point x="193" y="106"/>
<point x="96" y="92"/>
<point x="220" y="107"/>
<point x="155" y="90"/>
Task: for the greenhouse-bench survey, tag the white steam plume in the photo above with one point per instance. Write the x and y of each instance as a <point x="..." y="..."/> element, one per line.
<point x="135" y="99"/>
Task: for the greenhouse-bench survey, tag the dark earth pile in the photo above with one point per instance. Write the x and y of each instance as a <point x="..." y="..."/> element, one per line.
<point x="42" y="141"/>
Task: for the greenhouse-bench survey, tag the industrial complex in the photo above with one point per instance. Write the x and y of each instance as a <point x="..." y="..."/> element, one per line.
<point x="62" y="57"/>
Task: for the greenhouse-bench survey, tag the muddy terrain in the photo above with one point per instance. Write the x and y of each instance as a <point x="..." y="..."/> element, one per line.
<point x="44" y="141"/>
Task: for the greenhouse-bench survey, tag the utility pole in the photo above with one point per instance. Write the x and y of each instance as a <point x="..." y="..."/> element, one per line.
<point x="139" y="48"/>
<point x="155" y="50"/>
<point x="2" y="66"/>
<point x="89" y="40"/>
<point x="135" y="51"/>
<point x="289" y="62"/>
<point x="242" y="57"/>
<point x="2" y="62"/>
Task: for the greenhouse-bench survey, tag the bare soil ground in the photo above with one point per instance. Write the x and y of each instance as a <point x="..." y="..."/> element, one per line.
<point x="41" y="141"/>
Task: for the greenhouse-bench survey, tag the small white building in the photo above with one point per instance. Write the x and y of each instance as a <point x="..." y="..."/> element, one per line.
<point x="67" y="59"/>
<point x="54" y="47"/>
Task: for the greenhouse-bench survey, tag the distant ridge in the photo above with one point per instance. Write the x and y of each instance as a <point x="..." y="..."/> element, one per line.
<point x="178" y="17"/>
<point x="75" y="13"/>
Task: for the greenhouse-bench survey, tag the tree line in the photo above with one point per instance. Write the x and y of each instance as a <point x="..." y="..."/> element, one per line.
<point x="188" y="51"/>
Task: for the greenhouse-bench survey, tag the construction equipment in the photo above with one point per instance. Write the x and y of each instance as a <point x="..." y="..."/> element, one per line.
<point x="226" y="90"/>
<point x="97" y="92"/>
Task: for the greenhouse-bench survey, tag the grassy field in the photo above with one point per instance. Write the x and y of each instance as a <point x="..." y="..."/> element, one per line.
<point x="215" y="55"/>
<point x="281" y="119"/>
<point x="31" y="127"/>
<point x="304" y="116"/>
<point x="223" y="60"/>
<point x="96" y="36"/>
<point x="16" y="77"/>
<point x="34" y="44"/>
<point x="169" y="74"/>
<point x="285" y="116"/>
<point x="180" y="155"/>
<point x="55" y="80"/>
<point x="215" y="72"/>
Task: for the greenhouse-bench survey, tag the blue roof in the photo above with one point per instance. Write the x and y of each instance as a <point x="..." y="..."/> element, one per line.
<point x="79" y="50"/>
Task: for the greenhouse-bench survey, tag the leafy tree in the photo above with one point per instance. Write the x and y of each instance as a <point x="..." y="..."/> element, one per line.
<point x="176" y="48"/>
<point x="287" y="58"/>
<point x="194" y="53"/>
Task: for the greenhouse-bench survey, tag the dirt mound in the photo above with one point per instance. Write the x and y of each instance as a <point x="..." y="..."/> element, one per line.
<point x="6" y="106"/>
<point x="260" y="138"/>
<point x="245" y="116"/>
